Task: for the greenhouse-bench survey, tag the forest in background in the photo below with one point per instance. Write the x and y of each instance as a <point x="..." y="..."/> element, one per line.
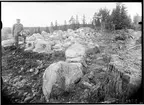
<point x="116" y="20"/>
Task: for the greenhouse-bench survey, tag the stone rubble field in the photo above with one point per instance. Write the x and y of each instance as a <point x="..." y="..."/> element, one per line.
<point x="73" y="66"/>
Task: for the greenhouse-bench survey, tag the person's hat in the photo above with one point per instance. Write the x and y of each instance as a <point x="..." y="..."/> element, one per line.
<point x="17" y="19"/>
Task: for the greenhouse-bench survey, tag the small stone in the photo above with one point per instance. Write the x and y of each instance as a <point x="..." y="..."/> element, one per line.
<point x="27" y="99"/>
<point x="36" y="71"/>
<point x="87" y="84"/>
<point x="31" y="70"/>
<point x="25" y="93"/>
<point x="22" y="68"/>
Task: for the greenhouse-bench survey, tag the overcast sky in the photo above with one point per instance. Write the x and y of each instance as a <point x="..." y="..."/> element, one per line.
<point x="42" y="14"/>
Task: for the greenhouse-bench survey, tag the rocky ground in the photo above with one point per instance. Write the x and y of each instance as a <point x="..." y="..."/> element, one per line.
<point x="112" y="76"/>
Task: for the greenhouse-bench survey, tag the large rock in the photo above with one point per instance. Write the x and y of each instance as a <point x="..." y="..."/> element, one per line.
<point x="62" y="75"/>
<point x="57" y="46"/>
<point x="66" y="44"/>
<point x="136" y="35"/>
<point x="6" y="43"/>
<point x="6" y="36"/>
<point x="75" y="51"/>
<point x="130" y="65"/>
<point x="31" y="38"/>
<point x="38" y="36"/>
<point x="69" y="30"/>
<point x="29" y="46"/>
<point x="44" y="33"/>
<point x="117" y="62"/>
<point x="92" y="48"/>
<point x="42" y="46"/>
<point x="34" y="37"/>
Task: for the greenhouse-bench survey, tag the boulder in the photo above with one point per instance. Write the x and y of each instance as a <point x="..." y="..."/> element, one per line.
<point x="38" y="36"/>
<point x="92" y="49"/>
<point x="42" y="46"/>
<point x="75" y="51"/>
<point x="31" y="38"/>
<point x="128" y="67"/>
<point x="6" y="36"/>
<point x="61" y="75"/>
<point x="130" y="30"/>
<point x="57" y="46"/>
<point x="64" y="36"/>
<point x="66" y="44"/>
<point x="117" y="62"/>
<point x="44" y="33"/>
<point x="69" y="30"/>
<point x="29" y="46"/>
<point x="34" y="37"/>
<point x="136" y="35"/>
<point x="138" y="41"/>
<point x="9" y="42"/>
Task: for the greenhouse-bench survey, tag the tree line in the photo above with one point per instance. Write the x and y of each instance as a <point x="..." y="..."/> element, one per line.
<point x="117" y="19"/>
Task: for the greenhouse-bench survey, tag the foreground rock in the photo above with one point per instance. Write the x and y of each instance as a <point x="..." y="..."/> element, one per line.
<point x="62" y="75"/>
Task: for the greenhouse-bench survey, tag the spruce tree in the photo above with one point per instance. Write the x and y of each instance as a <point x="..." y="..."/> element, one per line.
<point x="120" y="17"/>
<point x="52" y="27"/>
<point x="105" y="17"/>
<point x="125" y="19"/>
<point x="136" y="19"/>
<point x="72" y="23"/>
<point x="116" y="16"/>
<point x="65" y="25"/>
<point x="84" y="21"/>
<point x="47" y="29"/>
<point x="77" y="22"/>
<point x="39" y="30"/>
<point x="56" y="25"/>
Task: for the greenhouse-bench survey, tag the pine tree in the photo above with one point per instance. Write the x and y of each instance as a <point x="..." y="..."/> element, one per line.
<point x="35" y="30"/>
<point x="47" y="29"/>
<point x="84" y="21"/>
<point x="136" y="19"/>
<point x="120" y="17"/>
<point x="77" y="22"/>
<point x="56" y="25"/>
<point x="125" y="19"/>
<point x="65" y="25"/>
<point x="51" y="28"/>
<point x="104" y="13"/>
<point x="94" y="20"/>
<point x="39" y="30"/>
<point x="105" y="17"/>
<point x="116" y="16"/>
<point x="72" y="23"/>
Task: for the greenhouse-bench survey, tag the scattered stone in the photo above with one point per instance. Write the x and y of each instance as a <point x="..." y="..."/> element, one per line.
<point x="31" y="70"/>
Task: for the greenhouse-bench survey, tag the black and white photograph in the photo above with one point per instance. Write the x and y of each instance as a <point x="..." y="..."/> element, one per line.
<point x="71" y="52"/>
